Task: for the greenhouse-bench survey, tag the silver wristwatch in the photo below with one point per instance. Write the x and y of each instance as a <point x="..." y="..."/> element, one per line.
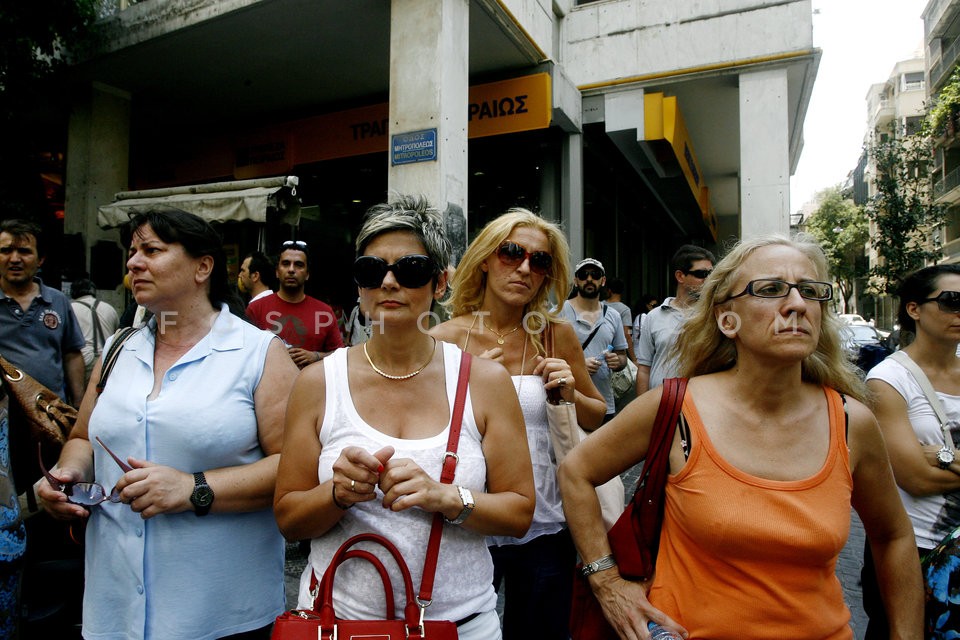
<point x="467" y="498"/>
<point x="945" y="457"/>
<point x="590" y="568"/>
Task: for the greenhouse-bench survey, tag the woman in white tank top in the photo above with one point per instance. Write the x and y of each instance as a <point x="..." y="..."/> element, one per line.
<point x="501" y="311"/>
<point x="366" y="432"/>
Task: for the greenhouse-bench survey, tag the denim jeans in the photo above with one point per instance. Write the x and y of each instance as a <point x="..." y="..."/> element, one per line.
<point x="538" y="578"/>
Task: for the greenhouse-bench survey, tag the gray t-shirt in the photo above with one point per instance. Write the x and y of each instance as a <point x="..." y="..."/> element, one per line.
<point x="624" y="312"/>
<point x="659" y="332"/>
<point x="609" y="334"/>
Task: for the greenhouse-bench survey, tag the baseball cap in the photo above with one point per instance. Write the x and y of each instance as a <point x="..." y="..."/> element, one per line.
<point x="591" y="262"/>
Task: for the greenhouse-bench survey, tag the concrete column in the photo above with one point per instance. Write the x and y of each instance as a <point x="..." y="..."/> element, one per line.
<point x="429" y="89"/>
<point x="764" y="153"/>
<point x="571" y="194"/>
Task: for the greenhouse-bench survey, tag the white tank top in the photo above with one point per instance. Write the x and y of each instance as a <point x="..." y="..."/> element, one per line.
<point x="548" y="515"/>
<point x="464" y="579"/>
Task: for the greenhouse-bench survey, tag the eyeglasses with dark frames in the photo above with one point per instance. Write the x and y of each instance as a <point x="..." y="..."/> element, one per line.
<point x="87" y="494"/>
<point x="585" y="273"/>
<point x="699" y="273"/>
<point x="809" y="289"/>
<point x="411" y="272"/>
<point x="948" y="301"/>
<point x="512" y="254"/>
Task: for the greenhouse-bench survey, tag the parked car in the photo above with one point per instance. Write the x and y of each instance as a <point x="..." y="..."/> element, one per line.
<point x="852" y="318"/>
<point x="864" y="345"/>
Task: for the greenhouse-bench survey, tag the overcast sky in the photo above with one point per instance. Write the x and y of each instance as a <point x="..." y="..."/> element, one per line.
<point x="860" y="40"/>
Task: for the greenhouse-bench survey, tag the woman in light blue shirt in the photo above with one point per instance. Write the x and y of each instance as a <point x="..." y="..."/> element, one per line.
<point x="195" y="405"/>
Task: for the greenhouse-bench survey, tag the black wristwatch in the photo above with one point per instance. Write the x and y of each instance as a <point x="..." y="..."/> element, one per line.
<point x="202" y="496"/>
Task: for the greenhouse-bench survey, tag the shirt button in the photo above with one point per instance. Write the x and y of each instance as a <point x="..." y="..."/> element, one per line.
<point x="172" y="376"/>
<point x="139" y="417"/>
<point x="139" y="533"/>
<point x="140" y="589"/>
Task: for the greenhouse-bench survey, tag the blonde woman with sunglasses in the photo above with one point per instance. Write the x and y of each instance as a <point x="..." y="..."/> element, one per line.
<point x="501" y="310"/>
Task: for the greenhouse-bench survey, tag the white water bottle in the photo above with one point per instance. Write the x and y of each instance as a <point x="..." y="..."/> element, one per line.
<point x="662" y="633"/>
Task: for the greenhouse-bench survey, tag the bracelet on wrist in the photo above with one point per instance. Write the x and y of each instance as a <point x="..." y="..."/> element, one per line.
<point x="333" y="493"/>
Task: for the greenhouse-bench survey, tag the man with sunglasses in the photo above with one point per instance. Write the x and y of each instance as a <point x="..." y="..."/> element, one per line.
<point x="598" y="327"/>
<point x="306" y="325"/>
<point x="691" y="265"/>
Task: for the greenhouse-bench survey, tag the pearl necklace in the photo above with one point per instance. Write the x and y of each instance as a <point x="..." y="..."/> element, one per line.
<point x="403" y="377"/>
<point x="500" y="336"/>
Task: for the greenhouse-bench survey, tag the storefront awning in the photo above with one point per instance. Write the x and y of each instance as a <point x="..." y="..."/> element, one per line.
<point x="217" y="202"/>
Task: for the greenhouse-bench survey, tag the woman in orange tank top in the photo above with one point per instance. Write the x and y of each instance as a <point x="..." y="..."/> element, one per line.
<point x="758" y="501"/>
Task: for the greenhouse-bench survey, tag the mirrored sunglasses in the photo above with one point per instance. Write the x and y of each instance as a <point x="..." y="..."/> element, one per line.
<point x="294" y="243"/>
<point x="411" y="272"/>
<point x="87" y="494"/>
<point x="512" y="254"/>
<point x="948" y="301"/>
<point x="810" y="290"/>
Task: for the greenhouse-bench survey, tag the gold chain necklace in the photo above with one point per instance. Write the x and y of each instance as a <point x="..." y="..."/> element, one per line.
<point x="500" y="336"/>
<point x="403" y="377"/>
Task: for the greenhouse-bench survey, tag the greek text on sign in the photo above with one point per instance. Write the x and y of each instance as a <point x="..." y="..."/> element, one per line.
<point x="415" y="146"/>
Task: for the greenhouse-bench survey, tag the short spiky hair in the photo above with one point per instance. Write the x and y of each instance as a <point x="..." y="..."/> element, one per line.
<point x="20" y="229"/>
<point x="408" y="213"/>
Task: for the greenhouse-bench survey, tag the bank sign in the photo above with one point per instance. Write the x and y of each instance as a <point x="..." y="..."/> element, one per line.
<point x="414" y="146"/>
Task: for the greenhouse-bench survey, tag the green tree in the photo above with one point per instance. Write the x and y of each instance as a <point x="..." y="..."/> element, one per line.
<point x="902" y="210"/>
<point x="842" y="230"/>
<point x="34" y="38"/>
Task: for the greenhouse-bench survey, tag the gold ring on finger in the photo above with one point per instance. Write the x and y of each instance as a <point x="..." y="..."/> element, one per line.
<point x="353" y="485"/>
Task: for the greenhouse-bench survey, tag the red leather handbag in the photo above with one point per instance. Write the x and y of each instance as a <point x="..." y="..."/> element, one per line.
<point x="635" y="537"/>
<point x="321" y="622"/>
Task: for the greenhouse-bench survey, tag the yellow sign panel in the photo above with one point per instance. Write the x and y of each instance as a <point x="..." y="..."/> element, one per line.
<point x="662" y="120"/>
<point x="509" y="106"/>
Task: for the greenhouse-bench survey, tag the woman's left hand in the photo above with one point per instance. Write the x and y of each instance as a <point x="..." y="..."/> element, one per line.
<point x="151" y="489"/>
<point x="930" y="453"/>
<point x="556" y="374"/>
<point x="405" y="485"/>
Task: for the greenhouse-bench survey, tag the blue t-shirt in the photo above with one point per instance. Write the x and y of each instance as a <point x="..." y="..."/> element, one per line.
<point x="36" y="339"/>
<point x="609" y="334"/>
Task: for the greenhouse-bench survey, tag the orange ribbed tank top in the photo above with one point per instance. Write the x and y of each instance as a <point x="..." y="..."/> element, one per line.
<point x="744" y="557"/>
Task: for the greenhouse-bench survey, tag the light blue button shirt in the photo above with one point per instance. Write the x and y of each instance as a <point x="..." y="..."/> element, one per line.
<point x="179" y="576"/>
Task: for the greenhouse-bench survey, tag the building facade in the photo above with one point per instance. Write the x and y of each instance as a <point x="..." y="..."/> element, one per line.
<point x="941" y="23"/>
<point x="639" y="125"/>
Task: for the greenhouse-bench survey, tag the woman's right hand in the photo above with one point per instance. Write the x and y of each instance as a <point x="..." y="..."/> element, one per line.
<point x="54" y="501"/>
<point x="356" y="473"/>
<point x="626" y="607"/>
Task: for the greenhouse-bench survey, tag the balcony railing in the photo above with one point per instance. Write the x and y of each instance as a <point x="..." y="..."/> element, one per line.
<point x="948" y="183"/>
<point x="934" y="15"/>
<point x="945" y="64"/>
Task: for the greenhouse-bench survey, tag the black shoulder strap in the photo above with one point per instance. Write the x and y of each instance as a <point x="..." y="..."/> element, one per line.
<point x="110" y="357"/>
<point x="603" y="315"/>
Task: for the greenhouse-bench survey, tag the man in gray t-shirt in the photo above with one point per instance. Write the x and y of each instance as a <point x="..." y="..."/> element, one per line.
<point x="598" y="327"/>
<point x="691" y="265"/>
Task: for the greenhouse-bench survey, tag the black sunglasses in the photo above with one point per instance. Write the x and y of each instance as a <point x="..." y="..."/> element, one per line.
<point x="699" y="273"/>
<point x="585" y="273"/>
<point x="948" y="301"/>
<point x="512" y="254"/>
<point x="411" y="272"/>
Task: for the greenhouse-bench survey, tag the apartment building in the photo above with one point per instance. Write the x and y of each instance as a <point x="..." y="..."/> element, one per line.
<point x="637" y="124"/>
<point x="941" y="23"/>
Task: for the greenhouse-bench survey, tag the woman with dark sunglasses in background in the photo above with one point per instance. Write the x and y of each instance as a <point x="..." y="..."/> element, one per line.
<point x="764" y="467"/>
<point x="922" y="450"/>
<point x="376" y="418"/>
<point x="195" y="406"/>
<point x="501" y="311"/>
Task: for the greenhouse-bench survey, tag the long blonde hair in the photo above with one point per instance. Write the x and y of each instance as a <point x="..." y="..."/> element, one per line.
<point x="469" y="281"/>
<point x="704" y="349"/>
